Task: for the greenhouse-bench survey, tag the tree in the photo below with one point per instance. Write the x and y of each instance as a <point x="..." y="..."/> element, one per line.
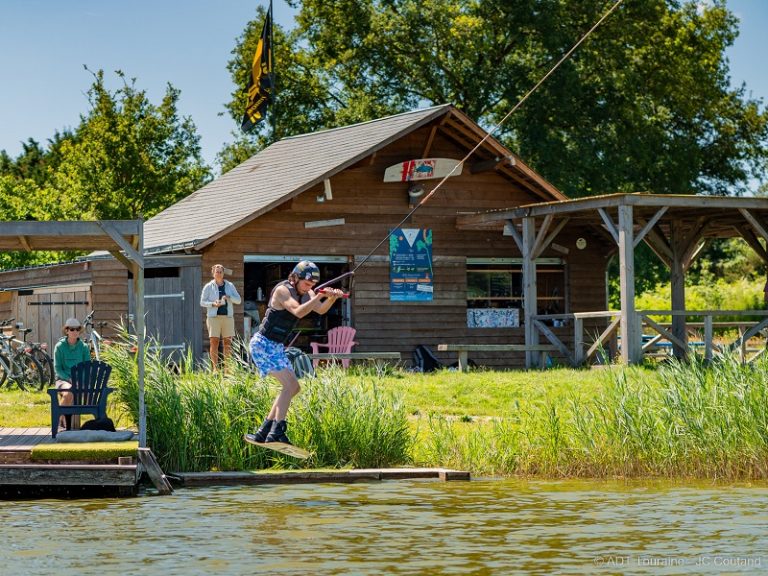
<point x="35" y="162"/>
<point x="643" y="105"/>
<point x="128" y="157"/>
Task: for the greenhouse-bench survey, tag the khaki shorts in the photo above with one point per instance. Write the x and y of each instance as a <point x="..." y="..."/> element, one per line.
<point x="220" y="326"/>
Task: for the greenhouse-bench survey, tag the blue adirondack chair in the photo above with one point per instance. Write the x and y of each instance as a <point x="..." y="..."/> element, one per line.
<point x="90" y="391"/>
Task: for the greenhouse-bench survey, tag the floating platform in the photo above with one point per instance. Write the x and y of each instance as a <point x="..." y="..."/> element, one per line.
<point x="315" y="476"/>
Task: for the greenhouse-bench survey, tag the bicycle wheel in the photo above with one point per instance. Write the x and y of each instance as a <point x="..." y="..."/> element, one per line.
<point x="4" y="369"/>
<point x="27" y="371"/>
<point x="46" y="363"/>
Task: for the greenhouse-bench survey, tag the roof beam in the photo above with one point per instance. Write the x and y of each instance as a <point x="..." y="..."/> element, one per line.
<point x="24" y="241"/>
<point x="649" y="225"/>
<point x="430" y="140"/>
<point x="130" y="251"/>
<point x="511" y="230"/>
<point x="609" y="224"/>
<point x="753" y="241"/>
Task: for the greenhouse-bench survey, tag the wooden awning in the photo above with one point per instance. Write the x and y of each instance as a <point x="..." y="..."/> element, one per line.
<point x="121" y="238"/>
<point x="675" y="227"/>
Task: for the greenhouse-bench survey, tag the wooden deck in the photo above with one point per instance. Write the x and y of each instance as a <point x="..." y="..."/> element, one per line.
<point x="317" y="476"/>
<point x="18" y="469"/>
<point x="16" y="443"/>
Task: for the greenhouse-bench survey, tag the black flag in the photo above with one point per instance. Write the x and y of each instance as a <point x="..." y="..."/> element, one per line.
<point x="260" y="84"/>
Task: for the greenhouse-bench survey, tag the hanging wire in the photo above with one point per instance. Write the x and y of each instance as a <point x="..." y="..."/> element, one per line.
<point x="490" y="133"/>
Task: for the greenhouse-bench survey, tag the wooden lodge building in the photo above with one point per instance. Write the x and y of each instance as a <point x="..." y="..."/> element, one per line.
<point x="323" y="197"/>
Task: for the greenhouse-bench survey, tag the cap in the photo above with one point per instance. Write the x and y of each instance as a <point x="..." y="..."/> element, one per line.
<point x="72" y="323"/>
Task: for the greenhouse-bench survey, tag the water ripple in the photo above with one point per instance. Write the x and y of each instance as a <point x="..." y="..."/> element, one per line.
<point x="398" y="527"/>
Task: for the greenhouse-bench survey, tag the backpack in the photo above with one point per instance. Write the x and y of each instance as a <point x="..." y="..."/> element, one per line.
<point x="302" y="365"/>
<point x="424" y="360"/>
<point x="99" y="424"/>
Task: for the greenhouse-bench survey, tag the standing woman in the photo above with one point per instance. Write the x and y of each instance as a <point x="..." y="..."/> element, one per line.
<point x="291" y="300"/>
<point x="68" y="352"/>
<point x="218" y="297"/>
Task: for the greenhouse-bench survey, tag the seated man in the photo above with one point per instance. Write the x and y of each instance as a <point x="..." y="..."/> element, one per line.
<point x="69" y="351"/>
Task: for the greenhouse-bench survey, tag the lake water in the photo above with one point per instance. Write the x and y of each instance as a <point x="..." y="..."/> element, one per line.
<point x="396" y="527"/>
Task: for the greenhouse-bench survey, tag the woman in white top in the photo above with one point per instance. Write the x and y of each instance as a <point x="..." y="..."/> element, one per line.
<point x="218" y="297"/>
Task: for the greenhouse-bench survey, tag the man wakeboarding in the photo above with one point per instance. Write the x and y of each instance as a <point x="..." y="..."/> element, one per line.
<point x="290" y="300"/>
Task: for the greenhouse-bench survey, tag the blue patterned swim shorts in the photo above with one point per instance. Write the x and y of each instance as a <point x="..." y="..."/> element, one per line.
<point x="268" y="355"/>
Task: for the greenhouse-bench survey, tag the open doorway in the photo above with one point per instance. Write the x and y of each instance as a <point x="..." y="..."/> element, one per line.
<point x="264" y="272"/>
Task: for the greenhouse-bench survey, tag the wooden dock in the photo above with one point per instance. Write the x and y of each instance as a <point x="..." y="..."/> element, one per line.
<point x="19" y="470"/>
<point x="316" y="476"/>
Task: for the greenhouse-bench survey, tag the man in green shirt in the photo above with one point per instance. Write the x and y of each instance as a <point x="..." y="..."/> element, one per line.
<point x="69" y="351"/>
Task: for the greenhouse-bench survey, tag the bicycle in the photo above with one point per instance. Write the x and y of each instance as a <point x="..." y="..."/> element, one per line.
<point x="17" y="365"/>
<point x="93" y="337"/>
<point x="39" y="351"/>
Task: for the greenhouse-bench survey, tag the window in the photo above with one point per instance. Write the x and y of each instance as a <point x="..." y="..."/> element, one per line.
<point x="497" y="284"/>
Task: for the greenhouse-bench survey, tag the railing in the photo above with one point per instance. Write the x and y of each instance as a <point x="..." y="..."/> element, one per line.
<point x="582" y="350"/>
<point x="746" y="330"/>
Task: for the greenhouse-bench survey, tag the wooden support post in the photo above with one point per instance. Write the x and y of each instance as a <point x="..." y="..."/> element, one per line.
<point x="708" y="337"/>
<point x="154" y="471"/>
<point x="631" y="349"/>
<point x="677" y="283"/>
<point x="578" y="341"/>
<point x="529" y="289"/>
<point x="463" y="361"/>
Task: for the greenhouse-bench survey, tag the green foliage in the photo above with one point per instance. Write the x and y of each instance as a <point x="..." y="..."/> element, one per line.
<point x="680" y="420"/>
<point x="129" y="157"/>
<point x="687" y="420"/>
<point x="196" y="419"/>
<point x="645" y="103"/>
<point x="741" y="294"/>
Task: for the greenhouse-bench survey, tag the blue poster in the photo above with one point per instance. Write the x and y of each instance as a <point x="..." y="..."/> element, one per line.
<point x="410" y="265"/>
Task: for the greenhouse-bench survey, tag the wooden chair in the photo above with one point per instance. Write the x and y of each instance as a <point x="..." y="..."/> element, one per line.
<point x="340" y="340"/>
<point x="90" y="391"/>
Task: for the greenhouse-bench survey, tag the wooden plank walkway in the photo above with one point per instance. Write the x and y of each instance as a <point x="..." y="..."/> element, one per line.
<point x="315" y="476"/>
<point x="16" y="443"/>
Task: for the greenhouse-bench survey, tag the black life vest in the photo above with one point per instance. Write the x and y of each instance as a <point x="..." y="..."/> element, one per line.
<point x="278" y="324"/>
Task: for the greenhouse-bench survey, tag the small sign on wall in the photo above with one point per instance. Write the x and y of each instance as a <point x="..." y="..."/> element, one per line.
<point x="493" y="317"/>
<point x="410" y="265"/>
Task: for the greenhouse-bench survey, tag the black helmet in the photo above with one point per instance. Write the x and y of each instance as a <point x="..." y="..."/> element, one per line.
<point x="307" y="270"/>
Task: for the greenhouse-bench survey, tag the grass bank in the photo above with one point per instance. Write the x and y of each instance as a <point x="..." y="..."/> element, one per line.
<point x="677" y="420"/>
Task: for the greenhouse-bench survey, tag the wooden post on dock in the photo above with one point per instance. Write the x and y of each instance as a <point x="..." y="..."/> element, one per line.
<point x="154" y="471"/>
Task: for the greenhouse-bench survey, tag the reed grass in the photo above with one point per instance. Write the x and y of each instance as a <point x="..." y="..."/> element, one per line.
<point x="691" y="420"/>
<point x="196" y="419"/>
<point x="678" y="419"/>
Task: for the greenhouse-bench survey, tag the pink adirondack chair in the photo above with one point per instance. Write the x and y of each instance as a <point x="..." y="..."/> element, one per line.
<point x="340" y="340"/>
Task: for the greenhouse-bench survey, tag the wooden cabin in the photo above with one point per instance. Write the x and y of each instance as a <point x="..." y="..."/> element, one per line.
<point x="322" y="196"/>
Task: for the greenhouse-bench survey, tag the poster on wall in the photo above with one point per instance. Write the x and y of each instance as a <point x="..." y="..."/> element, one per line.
<point x="410" y="265"/>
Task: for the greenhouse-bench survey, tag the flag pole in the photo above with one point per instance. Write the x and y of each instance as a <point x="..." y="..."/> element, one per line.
<point x="272" y="72"/>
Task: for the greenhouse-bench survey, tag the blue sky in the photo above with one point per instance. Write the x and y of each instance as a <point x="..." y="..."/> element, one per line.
<point x="45" y="43"/>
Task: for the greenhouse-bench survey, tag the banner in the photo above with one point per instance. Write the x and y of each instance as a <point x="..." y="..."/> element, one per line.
<point x="260" y="83"/>
<point x="410" y="265"/>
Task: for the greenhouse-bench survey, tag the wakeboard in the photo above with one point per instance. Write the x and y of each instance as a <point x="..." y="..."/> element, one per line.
<point x="422" y="169"/>
<point x="287" y="449"/>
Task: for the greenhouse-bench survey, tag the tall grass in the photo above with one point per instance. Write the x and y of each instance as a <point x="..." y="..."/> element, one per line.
<point x="196" y="419"/>
<point x="696" y="420"/>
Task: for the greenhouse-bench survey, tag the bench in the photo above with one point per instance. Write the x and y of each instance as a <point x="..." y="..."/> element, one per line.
<point x="465" y="349"/>
<point x="333" y="356"/>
